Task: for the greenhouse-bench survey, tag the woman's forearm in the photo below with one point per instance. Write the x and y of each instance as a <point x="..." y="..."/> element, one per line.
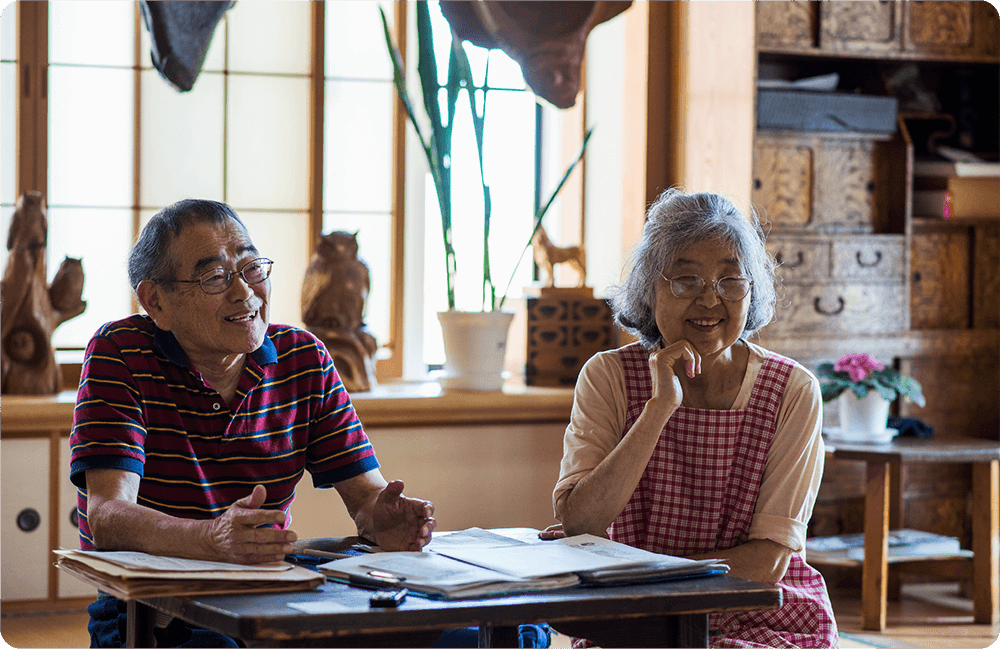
<point x="595" y="502"/>
<point x="757" y="560"/>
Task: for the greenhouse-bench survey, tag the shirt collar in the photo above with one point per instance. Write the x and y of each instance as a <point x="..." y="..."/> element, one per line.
<point x="166" y="343"/>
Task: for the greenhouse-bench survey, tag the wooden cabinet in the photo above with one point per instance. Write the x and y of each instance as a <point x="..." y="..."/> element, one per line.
<point x="862" y="269"/>
<point x="950" y="29"/>
<point x="26" y="525"/>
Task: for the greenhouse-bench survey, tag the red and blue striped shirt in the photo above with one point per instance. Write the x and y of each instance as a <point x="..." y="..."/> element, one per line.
<point x="142" y="408"/>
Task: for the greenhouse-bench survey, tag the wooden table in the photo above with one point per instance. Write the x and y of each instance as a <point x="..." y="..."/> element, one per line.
<point x="883" y="512"/>
<point x="663" y="614"/>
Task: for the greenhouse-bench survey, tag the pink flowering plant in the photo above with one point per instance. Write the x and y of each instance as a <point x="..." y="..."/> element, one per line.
<point x="862" y="373"/>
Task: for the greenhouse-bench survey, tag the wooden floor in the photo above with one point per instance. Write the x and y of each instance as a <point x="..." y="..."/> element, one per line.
<point x="928" y="615"/>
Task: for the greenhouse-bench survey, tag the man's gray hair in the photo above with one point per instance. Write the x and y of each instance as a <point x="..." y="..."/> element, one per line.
<point x="150" y="256"/>
<point x="674" y="222"/>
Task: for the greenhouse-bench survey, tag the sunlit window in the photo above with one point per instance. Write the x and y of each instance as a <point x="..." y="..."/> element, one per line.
<point x="8" y="123"/>
<point x="510" y="141"/>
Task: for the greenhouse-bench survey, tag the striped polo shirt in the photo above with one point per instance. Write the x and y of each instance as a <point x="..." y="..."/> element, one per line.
<point x="142" y="408"/>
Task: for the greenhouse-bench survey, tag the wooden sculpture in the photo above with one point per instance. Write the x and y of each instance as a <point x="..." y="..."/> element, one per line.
<point x="547" y="39"/>
<point x="334" y="293"/>
<point x="30" y="310"/>
<point x="547" y="255"/>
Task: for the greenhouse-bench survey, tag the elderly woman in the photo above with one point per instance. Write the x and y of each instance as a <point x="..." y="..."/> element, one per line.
<point x="694" y="441"/>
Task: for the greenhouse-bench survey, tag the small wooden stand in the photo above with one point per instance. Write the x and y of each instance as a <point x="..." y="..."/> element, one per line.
<point x="563" y="328"/>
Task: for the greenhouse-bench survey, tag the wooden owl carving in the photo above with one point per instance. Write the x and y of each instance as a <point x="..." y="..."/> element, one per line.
<point x="334" y="293"/>
<point x="30" y="310"/>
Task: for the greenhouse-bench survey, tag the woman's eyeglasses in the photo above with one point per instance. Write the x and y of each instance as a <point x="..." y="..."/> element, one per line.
<point x="687" y="287"/>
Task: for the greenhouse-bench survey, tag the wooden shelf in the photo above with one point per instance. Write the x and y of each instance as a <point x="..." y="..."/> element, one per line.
<point x="400" y="404"/>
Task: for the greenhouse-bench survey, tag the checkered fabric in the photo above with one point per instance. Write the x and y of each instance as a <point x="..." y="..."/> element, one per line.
<point x="698" y="494"/>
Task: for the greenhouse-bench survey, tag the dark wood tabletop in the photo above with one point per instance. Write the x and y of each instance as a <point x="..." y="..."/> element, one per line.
<point x="669" y="613"/>
<point x="915" y="449"/>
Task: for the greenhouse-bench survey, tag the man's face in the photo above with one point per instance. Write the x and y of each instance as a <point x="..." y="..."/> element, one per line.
<point x="211" y="328"/>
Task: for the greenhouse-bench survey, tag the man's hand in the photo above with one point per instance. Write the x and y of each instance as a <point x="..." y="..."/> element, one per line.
<point x="402" y="523"/>
<point x="237" y="535"/>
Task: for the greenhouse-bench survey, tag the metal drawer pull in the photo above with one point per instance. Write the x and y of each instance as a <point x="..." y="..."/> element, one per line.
<point x="817" y="304"/>
<point x="799" y="260"/>
<point x="878" y="258"/>
<point x="28" y="520"/>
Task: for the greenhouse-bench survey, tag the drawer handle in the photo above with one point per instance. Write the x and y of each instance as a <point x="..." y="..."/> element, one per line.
<point x="818" y="305"/>
<point x="28" y="520"/>
<point x="878" y="258"/>
<point x="799" y="260"/>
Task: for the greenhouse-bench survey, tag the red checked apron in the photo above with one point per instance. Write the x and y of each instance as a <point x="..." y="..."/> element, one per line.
<point x="698" y="494"/>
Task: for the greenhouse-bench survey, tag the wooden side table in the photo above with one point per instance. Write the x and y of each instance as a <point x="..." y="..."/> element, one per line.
<point x="882" y="513"/>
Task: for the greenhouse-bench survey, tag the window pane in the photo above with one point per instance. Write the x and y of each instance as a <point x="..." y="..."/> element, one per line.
<point x="90" y="136"/>
<point x="96" y="32"/>
<point x="282" y="237"/>
<point x="5" y="215"/>
<point x="505" y="72"/>
<point x="8" y="133"/>
<point x="268" y="142"/>
<point x="182" y="140"/>
<point x="214" y="58"/>
<point x="357" y="166"/>
<point x="355" y="40"/>
<point x="100" y="238"/>
<point x="374" y="248"/>
<point x="270" y="36"/>
<point x="8" y="32"/>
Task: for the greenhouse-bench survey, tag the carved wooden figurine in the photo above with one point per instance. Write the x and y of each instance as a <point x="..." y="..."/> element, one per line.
<point x="334" y="292"/>
<point x="547" y="255"/>
<point x="30" y="310"/>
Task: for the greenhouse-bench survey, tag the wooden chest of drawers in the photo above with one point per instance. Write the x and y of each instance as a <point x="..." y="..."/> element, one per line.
<point x="840" y="284"/>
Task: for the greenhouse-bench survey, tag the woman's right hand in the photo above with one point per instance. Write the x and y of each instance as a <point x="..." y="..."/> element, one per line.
<point x="663" y="365"/>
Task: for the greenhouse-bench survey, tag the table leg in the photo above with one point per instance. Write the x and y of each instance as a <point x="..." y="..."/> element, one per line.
<point x="875" y="570"/>
<point x="499" y="636"/>
<point x="139" y="625"/>
<point x="896" y="521"/>
<point x="986" y="541"/>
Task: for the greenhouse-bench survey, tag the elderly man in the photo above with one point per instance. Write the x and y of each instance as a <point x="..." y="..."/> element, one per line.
<point x="195" y="422"/>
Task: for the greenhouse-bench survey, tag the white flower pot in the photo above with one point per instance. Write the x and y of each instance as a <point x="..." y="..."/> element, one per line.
<point x="475" y="343"/>
<point x="862" y="418"/>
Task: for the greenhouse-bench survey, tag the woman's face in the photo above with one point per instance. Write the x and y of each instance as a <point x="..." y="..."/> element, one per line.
<point x="707" y="321"/>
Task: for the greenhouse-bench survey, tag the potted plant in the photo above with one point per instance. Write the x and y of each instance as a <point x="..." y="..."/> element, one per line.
<point x="864" y="388"/>
<point x="475" y="342"/>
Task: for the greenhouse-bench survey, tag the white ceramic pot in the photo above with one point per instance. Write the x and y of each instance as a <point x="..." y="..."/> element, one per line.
<point x="475" y="343"/>
<point x="862" y="418"/>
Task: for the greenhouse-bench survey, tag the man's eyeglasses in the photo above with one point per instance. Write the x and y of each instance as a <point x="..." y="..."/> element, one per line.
<point x="688" y="287"/>
<point x="218" y="280"/>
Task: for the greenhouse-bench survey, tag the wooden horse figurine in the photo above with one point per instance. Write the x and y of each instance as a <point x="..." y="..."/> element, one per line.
<point x="547" y="255"/>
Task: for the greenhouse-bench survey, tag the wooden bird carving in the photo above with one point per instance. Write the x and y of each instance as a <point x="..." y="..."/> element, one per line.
<point x="30" y="310"/>
<point x="334" y="293"/>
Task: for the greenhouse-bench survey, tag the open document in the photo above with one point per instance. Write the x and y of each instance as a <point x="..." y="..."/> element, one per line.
<point x="479" y="563"/>
<point x="128" y="575"/>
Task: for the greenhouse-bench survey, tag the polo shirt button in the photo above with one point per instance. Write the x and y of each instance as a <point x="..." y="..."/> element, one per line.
<point x="216" y="406"/>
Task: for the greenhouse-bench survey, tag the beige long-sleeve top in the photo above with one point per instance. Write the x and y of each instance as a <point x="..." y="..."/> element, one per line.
<point x="794" y="465"/>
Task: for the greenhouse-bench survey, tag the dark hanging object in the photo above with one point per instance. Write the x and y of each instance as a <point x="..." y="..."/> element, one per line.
<point x="180" y="32"/>
<point x="547" y="39"/>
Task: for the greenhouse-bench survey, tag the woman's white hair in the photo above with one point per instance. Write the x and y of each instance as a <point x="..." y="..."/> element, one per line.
<point x="674" y="222"/>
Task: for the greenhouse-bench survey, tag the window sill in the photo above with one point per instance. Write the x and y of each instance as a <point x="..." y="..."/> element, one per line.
<point x="390" y="404"/>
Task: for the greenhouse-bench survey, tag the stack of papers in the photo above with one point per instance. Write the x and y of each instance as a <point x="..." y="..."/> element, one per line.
<point x="128" y="575"/>
<point x="904" y="544"/>
<point x="480" y="563"/>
